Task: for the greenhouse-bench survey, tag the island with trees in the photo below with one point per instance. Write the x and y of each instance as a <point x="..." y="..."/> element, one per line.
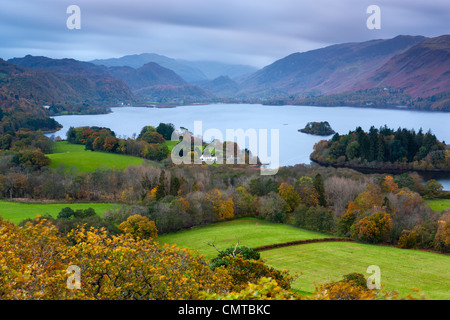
<point x="318" y="128"/>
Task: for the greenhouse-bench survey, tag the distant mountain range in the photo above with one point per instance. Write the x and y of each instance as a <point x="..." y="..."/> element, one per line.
<point x="408" y="70"/>
<point x="190" y="71"/>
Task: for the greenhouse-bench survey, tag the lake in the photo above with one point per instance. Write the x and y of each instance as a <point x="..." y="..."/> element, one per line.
<point x="294" y="147"/>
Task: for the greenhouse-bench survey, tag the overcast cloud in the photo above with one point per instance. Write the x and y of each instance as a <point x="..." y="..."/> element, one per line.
<point x="255" y="32"/>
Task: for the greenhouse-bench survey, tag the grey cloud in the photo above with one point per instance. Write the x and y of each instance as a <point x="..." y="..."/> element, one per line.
<point x="241" y="31"/>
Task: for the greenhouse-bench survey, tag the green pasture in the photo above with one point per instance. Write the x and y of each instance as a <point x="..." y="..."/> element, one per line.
<point x="401" y="269"/>
<point x="74" y="155"/>
<point x="18" y="211"/>
<point x="439" y="204"/>
<point x="250" y="232"/>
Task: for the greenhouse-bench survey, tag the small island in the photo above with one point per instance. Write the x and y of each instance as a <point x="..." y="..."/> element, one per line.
<point x="318" y="128"/>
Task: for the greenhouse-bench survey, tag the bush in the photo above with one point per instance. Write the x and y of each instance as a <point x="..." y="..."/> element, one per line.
<point x="357" y="278"/>
<point x="245" y="252"/>
<point x="243" y="271"/>
<point x="374" y="228"/>
<point x="407" y="240"/>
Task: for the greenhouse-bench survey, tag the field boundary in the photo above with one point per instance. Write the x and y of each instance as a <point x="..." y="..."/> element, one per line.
<point x="297" y="242"/>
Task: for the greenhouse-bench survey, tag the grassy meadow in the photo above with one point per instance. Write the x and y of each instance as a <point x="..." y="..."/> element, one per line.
<point x="401" y="269"/>
<point x="18" y="211"/>
<point x="74" y="155"/>
<point x="250" y="232"/>
<point x="439" y="205"/>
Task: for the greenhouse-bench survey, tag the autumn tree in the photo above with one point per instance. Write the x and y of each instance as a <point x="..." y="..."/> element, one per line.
<point x="347" y="220"/>
<point x="308" y="194"/>
<point x="225" y="209"/>
<point x="34" y="159"/>
<point x="139" y="227"/>
<point x="288" y="193"/>
<point x="373" y="228"/>
<point x="371" y="198"/>
<point x="389" y="185"/>
<point x="32" y="261"/>
<point x="433" y="188"/>
<point x="244" y="202"/>
<point x="153" y="137"/>
<point x="219" y="208"/>
<point x="442" y="239"/>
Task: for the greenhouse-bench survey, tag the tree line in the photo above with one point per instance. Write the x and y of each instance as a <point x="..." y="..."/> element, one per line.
<point x="384" y="148"/>
<point x="150" y="144"/>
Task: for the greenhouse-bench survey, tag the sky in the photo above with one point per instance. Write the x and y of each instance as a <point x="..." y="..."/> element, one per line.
<point x="252" y="32"/>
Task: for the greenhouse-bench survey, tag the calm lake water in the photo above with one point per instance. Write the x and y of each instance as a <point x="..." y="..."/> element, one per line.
<point x="294" y="147"/>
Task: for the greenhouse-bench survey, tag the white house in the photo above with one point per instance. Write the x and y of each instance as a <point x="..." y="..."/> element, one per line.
<point x="208" y="159"/>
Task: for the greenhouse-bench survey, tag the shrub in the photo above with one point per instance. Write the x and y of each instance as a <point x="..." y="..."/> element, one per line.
<point x="245" y="252"/>
<point x="374" y="228"/>
<point x="357" y="278"/>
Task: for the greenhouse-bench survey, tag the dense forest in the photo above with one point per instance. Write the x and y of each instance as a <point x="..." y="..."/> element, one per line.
<point x="385" y="149"/>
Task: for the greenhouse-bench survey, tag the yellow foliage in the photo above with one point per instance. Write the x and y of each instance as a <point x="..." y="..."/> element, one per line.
<point x="139" y="227"/>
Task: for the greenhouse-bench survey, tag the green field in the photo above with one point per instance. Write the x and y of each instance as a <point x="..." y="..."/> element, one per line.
<point x="250" y="232"/>
<point x="74" y="155"/>
<point x="17" y="211"/>
<point x="439" y="204"/>
<point x="170" y="144"/>
<point x="401" y="269"/>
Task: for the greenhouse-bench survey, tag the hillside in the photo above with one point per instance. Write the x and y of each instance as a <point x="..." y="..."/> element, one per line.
<point x="150" y="74"/>
<point x="25" y="94"/>
<point x="334" y="69"/>
<point x="421" y="71"/>
<point x="222" y="86"/>
<point x="172" y="94"/>
<point x="64" y="82"/>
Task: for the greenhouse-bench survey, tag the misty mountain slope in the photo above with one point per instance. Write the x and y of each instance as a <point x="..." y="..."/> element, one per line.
<point x="213" y="70"/>
<point x="421" y="71"/>
<point x="333" y="69"/>
<point x="222" y="86"/>
<point x="188" y="73"/>
<point x="150" y="74"/>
